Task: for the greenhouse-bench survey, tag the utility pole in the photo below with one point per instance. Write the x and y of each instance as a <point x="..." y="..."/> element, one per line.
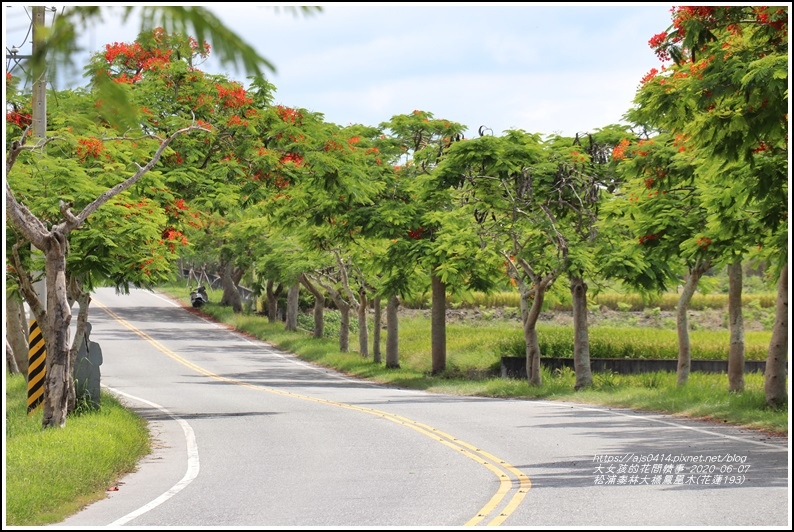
<point x="39" y="71"/>
<point x="39" y="99"/>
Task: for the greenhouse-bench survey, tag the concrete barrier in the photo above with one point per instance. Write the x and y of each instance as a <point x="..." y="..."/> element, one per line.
<point x="516" y="367"/>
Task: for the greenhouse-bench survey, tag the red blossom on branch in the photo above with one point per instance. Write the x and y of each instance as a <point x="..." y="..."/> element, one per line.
<point x="21" y="120"/>
<point x="233" y="96"/>
<point x="416" y="234"/>
<point x="645" y="239"/>
<point x="89" y="147"/>
<point x="649" y="76"/>
<point x="619" y="151"/>
<point x="287" y="114"/>
<point x="704" y="242"/>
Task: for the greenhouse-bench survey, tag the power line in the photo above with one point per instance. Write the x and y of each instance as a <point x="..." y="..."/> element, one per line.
<point x="16" y="55"/>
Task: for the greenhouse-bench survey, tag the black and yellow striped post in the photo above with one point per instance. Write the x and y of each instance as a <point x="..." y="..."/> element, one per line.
<point x="37" y="355"/>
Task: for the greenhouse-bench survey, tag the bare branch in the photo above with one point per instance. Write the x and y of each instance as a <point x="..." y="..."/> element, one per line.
<point x="65" y="208"/>
<point x="18" y="146"/>
<point x="24" y="221"/>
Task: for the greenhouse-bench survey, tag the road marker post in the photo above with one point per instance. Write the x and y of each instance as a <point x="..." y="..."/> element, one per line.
<point x="37" y="355"/>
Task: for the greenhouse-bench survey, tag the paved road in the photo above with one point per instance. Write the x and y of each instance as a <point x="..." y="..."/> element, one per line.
<point x="248" y="435"/>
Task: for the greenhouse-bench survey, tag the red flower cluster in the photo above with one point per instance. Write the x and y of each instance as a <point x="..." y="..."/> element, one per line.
<point x="778" y="20"/>
<point x="332" y="145"/>
<point x="236" y="121"/>
<point x="619" y="151"/>
<point x="89" y="147"/>
<point x="172" y="234"/>
<point x="132" y="60"/>
<point x="233" y="96"/>
<point x="682" y="14"/>
<point x="648" y="238"/>
<point x="175" y="159"/>
<point x="658" y="44"/>
<point x="288" y="114"/>
<point x="22" y="120"/>
<point x="704" y="242"/>
<point x="177" y="208"/>
<point x="649" y="76"/>
<point x="416" y="234"/>
<point x="194" y="45"/>
<point x="762" y="147"/>
<point x="292" y="158"/>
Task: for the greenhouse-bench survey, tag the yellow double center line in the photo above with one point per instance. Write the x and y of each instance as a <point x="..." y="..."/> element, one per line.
<point x="511" y="479"/>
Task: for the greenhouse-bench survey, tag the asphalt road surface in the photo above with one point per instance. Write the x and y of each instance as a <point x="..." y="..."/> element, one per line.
<point x="249" y="436"/>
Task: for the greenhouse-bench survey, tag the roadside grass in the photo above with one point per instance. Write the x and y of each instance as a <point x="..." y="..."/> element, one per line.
<point x="51" y="474"/>
<point x="474" y="351"/>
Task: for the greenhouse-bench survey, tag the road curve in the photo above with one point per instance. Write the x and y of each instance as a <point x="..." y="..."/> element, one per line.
<point x="247" y="435"/>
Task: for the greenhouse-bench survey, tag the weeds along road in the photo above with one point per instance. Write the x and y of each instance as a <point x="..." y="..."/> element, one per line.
<point x="247" y="435"/>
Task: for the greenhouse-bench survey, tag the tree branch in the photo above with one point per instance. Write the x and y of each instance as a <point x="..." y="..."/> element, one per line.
<point x="76" y="221"/>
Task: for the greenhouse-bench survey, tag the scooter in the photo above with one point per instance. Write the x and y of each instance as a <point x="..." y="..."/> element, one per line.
<point x="199" y="297"/>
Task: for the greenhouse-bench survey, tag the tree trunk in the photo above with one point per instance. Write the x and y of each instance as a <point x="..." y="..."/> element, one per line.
<point x="291" y="323"/>
<point x="318" y="314"/>
<point x="438" y="332"/>
<point x="58" y="372"/>
<point x="736" y="324"/>
<point x="392" y="338"/>
<point x="231" y="295"/>
<point x="363" y="331"/>
<point x="272" y="301"/>
<point x="682" y="325"/>
<point x="344" y="326"/>
<point x="319" y="306"/>
<point x="17" y="332"/>
<point x="581" y="340"/>
<point x="376" y="325"/>
<point x="534" y="377"/>
<point x="11" y="363"/>
<point x="83" y="328"/>
<point x="775" y="373"/>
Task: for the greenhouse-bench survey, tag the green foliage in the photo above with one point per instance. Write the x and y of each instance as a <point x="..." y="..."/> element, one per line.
<point x="724" y="100"/>
<point x="127" y="240"/>
<point x="332" y="320"/>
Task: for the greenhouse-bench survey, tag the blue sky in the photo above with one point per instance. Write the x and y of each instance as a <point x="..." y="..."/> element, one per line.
<point x="545" y="68"/>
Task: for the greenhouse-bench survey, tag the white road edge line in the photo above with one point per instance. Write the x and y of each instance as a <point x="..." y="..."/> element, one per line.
<point x="192" y="463"/>
<point x="609" y="410"/>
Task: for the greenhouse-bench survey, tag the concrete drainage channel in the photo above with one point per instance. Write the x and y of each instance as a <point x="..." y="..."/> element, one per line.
<point x="516" y="367"/>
